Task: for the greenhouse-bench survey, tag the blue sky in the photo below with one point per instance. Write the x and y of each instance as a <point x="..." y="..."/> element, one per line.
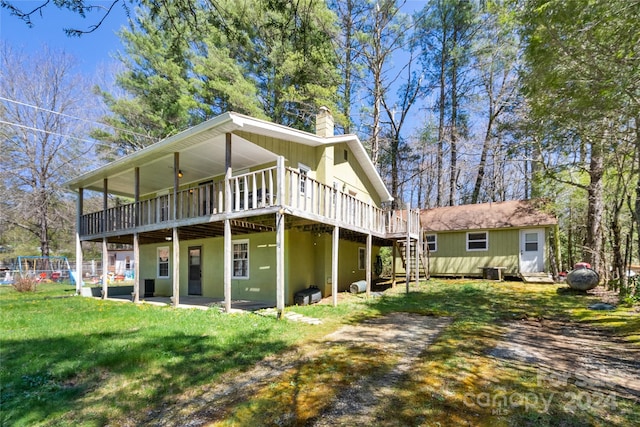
<point x="92" y="51"/>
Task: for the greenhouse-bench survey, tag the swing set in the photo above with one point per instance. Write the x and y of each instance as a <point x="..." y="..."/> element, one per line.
<point x="44" y="268"/>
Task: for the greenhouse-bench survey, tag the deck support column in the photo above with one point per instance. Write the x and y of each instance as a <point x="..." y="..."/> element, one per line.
<point x="418" y="254"/>
<point x="136" y="197"/>
<point x="79" y="274"/>
<point x="136" y="268"/>
<point x="368" y="265"/>
<point x="280" y="263"/>
<point x="408" y="249"/>
<point x="136" y="237"/>
<point x="394" y="250"/>
<point x="105" y="224"/>
<point x="228" y="254"/>
<point x="334" y="265"/>
<point x="280" y="239"/>
<point x="105" y="269"/>
<point x="176" y="267"/>
<point x="228" y="260"/>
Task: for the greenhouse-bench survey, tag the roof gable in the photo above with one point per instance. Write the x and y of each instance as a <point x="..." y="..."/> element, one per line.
<point x="483" y="216"/>
<point x="207" y="141"/>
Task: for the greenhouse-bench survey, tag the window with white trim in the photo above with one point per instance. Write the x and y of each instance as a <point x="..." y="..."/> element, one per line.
<point x="362" y="258"/>
<point x="304" y="172"/>
<point x="163" y="262"/>
<point x="432" y="242"/>
<point x="477" y="241"/>
<point x="240" y="259"/>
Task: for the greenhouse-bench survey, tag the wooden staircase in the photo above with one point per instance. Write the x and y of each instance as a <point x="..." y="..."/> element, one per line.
<point x="417" y="260"/>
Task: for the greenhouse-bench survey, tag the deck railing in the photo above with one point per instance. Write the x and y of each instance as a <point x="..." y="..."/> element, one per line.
<point x="249" y="191"/>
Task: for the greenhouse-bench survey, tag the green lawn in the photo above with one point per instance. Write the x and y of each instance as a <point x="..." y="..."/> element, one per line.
<point x="68" y="360"/>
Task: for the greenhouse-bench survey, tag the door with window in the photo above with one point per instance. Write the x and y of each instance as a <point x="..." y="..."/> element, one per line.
<point x="532" y="251"/>
<point x="195" y="270"/>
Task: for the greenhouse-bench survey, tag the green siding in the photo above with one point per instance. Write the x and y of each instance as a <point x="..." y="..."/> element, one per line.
<point x="307" y="263"/>
<point x="149" y="267"/>
<point x="348" y="172"/>
<point x="452" y="257"/>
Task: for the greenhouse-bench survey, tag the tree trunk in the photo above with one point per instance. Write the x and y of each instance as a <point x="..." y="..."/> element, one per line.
<point x="453" y="166"/>
<point x="441" y="112"/>
<point x="593" y="243"/>
<point x="483" y="159"/>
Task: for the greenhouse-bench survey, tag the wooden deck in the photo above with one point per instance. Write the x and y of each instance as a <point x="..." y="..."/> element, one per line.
<point x="249" y="195"/>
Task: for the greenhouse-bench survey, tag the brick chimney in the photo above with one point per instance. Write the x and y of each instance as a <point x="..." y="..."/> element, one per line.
<point x="324" y="123"/>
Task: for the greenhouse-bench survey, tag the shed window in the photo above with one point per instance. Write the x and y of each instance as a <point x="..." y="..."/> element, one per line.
<point x="432" y="242"/>
<point x="477" y="241"/>
<point x="531" y="242"/>
<point x="240" y="259"/>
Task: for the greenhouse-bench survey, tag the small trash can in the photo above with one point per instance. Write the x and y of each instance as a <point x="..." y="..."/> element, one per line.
<point x="307" y="296"/>
<point x="358" y="287"/>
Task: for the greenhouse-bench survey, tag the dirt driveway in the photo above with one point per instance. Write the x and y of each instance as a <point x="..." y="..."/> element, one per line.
<point x="565" y="352"/>
<point x="573" y="353"/>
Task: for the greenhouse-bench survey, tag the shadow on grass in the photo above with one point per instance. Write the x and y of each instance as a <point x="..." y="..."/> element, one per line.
<point x="103" y="377"/>
<point x="457" y="382"/>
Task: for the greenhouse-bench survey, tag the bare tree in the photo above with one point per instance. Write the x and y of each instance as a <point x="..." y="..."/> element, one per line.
<point x="42" y="141"/>
<point x="381" y="36"/>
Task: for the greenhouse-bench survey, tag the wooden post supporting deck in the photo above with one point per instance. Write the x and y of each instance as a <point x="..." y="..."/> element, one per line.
<point x="105" y="269"/>
<point x="280" y="218"/>
<point x="79" y="272"/>
<point x="176" y="267"/>
<point x="394" y="249"/>
<point x="136" y="237"/>
<point x="136" y="268"/>
<point x="334" y="265"/>
<point x="408" y="250"/>
<point x="174" y="237"/>
<point x="228" y="259"/>
<point x="418" y="252"/>
<point x="105" y="253"/>
<point x="368" y="265"/>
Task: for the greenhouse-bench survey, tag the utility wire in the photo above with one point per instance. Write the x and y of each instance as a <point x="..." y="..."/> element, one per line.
<point x="57" y="134"/>
<point x="75" y="117"/>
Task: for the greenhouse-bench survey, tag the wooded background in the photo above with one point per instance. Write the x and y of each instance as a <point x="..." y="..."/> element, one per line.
<point x="457" y="101"/>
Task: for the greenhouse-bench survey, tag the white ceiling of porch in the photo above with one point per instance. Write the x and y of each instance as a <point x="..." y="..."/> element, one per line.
<point x="197" y="162"/>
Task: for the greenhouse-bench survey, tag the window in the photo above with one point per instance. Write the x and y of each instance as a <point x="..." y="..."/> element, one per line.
<point x="477" y="241"/>
<point x="163" y="262"/>
<point x="362" y="258"/>
<point x="531" y="242"/>
<point x="432" y="242"/>
<point x="304" y="171"/>
<point x="240" y="259"/>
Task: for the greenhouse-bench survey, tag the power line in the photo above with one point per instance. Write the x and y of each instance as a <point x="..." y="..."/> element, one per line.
<point x="75" y="117"/>
<point x="57" y="134"/>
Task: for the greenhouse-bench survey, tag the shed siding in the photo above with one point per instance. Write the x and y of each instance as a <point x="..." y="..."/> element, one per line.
<point x="452" y="257"/>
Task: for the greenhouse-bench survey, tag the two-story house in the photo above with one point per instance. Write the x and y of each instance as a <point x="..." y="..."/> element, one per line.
<point x="238" y="208"/>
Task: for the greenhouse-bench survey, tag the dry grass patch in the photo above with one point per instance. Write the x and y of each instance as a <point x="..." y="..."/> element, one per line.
<point x="303" y="393"/>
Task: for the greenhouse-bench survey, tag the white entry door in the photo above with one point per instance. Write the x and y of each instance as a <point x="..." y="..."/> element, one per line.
<point x="532" y="251"/>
